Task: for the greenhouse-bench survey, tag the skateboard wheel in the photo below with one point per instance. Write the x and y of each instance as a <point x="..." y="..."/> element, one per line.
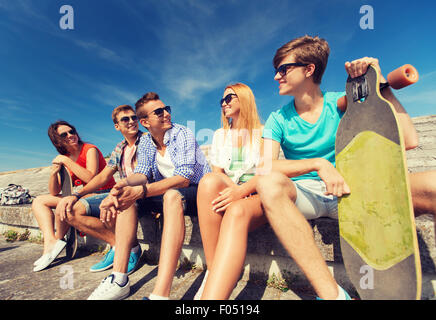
<point x="403" y="76"/>
<point x="342" y="103"/>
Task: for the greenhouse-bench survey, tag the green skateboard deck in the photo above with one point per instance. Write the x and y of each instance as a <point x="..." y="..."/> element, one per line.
<point x="376" y="221"/>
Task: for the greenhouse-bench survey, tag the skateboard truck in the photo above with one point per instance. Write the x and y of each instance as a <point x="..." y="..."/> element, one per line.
<point x="360" y="88"/>
<point x="397" y="79"/>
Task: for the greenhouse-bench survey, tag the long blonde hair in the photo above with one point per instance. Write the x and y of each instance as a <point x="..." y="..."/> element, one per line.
<point x="248" y="116"/>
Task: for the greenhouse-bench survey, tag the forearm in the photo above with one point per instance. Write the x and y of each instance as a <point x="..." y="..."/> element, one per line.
<point x="82" y="173"/>
<point x="136" y="179"/>
<point x="54" y="187"/>
<point x="406" y="125"/>
<point x="249" y="187"/>
<point x="295" y="168"/>
<point x="160" y="187"/>
<point x="98" y="181"/>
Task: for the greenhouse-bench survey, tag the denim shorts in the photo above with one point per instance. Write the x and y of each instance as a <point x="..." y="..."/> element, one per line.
<point x="312" y="202"/>
<point x="155" y="204"/>
<point x="92" y="203"/>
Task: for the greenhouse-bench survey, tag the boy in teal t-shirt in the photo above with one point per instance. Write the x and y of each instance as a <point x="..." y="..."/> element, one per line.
<point x="300" y="139"/>
<point x="305" y="129"/>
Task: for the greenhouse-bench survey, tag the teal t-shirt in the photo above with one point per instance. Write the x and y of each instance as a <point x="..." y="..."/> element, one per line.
<point x="300" y="139"/>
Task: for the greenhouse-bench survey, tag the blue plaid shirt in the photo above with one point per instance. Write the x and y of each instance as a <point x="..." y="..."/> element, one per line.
<point x="186" y="156"/>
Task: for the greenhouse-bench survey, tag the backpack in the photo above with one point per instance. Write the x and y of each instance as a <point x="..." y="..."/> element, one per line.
<point x="15" y="194"/>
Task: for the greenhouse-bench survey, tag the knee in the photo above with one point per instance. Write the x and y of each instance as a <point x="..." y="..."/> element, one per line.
<point x="236" y="213"/>
<point x="38" y="203"/>
<point x="210" y="183"/>
<point x="273" y="186"/>
<point x="73" y="216"/>
<point x="39" y="200"/>
<point x="172" y="198"/>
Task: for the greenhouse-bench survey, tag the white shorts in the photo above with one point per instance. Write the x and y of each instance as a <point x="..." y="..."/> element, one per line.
<point x="312" y="202"/>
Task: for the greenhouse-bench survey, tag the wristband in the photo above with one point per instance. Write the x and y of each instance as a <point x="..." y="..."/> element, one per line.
<point x="144" y="188"/>
<point x="76" y="194"/>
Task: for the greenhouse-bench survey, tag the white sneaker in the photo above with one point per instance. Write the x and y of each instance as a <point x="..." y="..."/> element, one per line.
<point x="201" y="289"/>
<point x="41" y="258"/>
<point x="110" y="290"/>
<point x="47" y="259"/>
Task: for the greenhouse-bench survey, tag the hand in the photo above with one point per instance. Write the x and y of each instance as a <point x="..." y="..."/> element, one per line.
<point x="108" y="209"/>
<point x="226" y="197"/>
<point x="333" y="180"/>
<point x="55" y="168"/>
<point x="359" y="67"/>
<point x="65" y="206"/>
<point x="119" y="199"/>
<point x="60" y="159"/>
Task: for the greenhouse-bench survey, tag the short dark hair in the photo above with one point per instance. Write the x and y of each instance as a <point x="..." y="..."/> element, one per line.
<point x="306" y="50"/>
<point x="150" y="96"/>
<point x="57" y="140"/>
<point x="117" y="110"/>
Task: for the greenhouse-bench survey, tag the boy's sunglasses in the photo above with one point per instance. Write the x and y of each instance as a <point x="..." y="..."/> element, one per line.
<point x="227" y="98"/>
<point x="126" y="119"/>
<point x="63" y="135"/>
<point x="160" y="111"/>
<point x="283" y="69"/>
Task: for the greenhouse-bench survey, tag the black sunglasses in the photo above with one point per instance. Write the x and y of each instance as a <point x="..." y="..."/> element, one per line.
<point x="283" y="69"/>
<point x="227" y="98"/>
<point x="127" y="118"/>
<point x="63" y="135"/>
<point x="160" y="111"/>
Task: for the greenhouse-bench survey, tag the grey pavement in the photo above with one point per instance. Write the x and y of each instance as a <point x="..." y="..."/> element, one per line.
<point x="71" y="280"/>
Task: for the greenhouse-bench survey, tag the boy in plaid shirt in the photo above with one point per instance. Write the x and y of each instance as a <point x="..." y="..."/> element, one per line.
<point x="170" y="166"/>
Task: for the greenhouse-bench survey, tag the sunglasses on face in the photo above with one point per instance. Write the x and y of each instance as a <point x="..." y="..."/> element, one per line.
<point x="227" y="99"/>
<point x="63" y="135"/>
<point x="160" y="111"/>
<point x="126" y="119"/>
<point x="283" y="69"/>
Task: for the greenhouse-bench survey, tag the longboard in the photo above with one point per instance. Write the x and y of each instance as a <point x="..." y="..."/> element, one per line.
<point x="376" y="221"/>
<point x="67" y="190"/>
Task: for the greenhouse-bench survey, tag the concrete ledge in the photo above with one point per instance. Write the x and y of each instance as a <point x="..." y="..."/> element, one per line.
<point x="265" y="254"/>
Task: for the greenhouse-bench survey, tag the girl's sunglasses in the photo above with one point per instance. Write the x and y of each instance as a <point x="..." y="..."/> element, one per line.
<point x="160" y="111"/>
<point x="63" y="135"/>
<point x="227" y="99"/>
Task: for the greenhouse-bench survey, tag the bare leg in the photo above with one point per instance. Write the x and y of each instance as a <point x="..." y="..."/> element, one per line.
<point x="125" y="237"/>
<point x="423" y="189"/>
<point x="240" y="217"/>
<point x="210" y="221"/>
<point x="278" y="193"/>
<point x="172" y="240"/>
<point x="91" y="225"/>
<point x="42" y="209"/>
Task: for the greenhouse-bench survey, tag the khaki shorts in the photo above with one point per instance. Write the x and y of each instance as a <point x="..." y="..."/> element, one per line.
<point x="312" y="202"/>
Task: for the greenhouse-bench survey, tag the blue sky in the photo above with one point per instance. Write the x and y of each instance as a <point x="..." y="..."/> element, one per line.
<point x="187" y="51"/>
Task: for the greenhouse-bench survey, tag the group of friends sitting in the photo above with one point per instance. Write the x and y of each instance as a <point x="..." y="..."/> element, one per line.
<point x="246" y="186"/>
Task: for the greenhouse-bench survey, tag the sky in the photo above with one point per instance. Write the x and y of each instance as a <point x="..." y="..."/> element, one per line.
<point x="187" y="51"/>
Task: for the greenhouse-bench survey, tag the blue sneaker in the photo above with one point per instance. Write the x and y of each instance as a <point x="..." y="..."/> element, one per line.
<point x="347" y="296"/>
<point x="133" y="261"/>
<point x="105" y="263"/>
